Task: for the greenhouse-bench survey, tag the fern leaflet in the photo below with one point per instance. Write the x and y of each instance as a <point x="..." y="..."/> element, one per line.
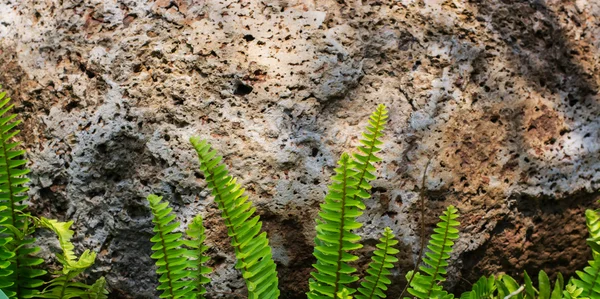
<point x="251" y="246"/>
<point x="375" y="284"/>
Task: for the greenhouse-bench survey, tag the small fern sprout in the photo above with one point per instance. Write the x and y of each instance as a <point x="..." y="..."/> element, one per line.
<point x="483" y="288"/>
<point x="196" y="257"/>
<point x="168" y="252"/>
<point x="64" y="286"/>
<point x="375" y="284"/>
<point x="425" y="283"/>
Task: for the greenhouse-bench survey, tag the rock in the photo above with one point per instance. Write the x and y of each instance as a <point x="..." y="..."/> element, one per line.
<point x="502" y="98"/>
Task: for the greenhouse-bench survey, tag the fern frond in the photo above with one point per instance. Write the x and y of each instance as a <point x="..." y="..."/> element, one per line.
<point x="589" y="279"/>
<point x="425" y="285"/>
<point x="483" y="289"/>
<point x="63" y="286"/>
<point x="18" y="276"/>
<point x="97" y="290"/>
<point x="334" y="233"/>
<point x="375" y="284"/>
<point x="508" y="287"/>
<point x="592" y="220"/>
<point x="196" y="257"/>
<point x="251" y="246"/>
<point x="168" y="252"/>
<point x="363" y="160"/>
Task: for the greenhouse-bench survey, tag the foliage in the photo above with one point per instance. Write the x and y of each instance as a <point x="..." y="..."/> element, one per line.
<point x="251" y="246"/>
<point x="375" y="284"/>
<point x="425" y="283"/>
<point x="181" y="270"/>
<point x="19" y="276"/>
<point x="337" y="218"/>
<point x="63" y="285"/>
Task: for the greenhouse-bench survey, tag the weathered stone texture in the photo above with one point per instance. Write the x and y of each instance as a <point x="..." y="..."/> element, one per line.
<point x="502" y="96"/>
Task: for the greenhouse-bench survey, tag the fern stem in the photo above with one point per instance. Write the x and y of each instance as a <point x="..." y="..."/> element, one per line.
<point x="422" y="246"/>
<point x="383" y="259"/>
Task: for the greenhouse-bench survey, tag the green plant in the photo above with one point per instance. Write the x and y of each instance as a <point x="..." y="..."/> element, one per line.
<point x="63" y="285"/>
<point x="180" y="262"/>
<point x="425" y="283"/>
<point x="375" y="284"/>
<point x="20" y="276"/>
<point x="334" y="241"/>
<point x="251" y="246"/>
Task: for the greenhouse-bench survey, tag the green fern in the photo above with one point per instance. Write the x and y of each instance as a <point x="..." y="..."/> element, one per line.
<point x="196" y="257"/>
<point x="180" y="262"/>
<point x="484" y="288"/>
<point x="375" y="284"/>
<point x="19" y="277"/>
<point x="168" y="252"/>
<point x="63" y="286"/>
<point x="97" y="290"/>
<point x="589" y="279"/>
<point x="337" y="219"/>
<point x="425" y="284"/>
<point x="251" y="247"/>
<point x="342" y="205"/>
<point x="592" y="219"/>
<point x="365" y="158"/>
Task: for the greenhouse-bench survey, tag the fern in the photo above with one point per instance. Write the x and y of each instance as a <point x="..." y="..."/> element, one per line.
<point x="342" y="205"/>
<point x="589" y="279"/>
<point x="168" y="252"/>
<point x="592" y="219"/>
<point x="97" y="290"/>
<point x="375" y="284"/>
<point x="424" y="285"/>
<point x="364" y="159"/>
<point x="196" y="257"/>
<point x="63" y="286"/>
<point x="250" y="245"/>
<point x="337" y="219"/>
<point x="18" y="275"/>
<point x="483" y="288"/>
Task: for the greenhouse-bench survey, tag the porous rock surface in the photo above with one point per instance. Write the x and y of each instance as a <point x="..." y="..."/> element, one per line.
<point x="500" y="96"/>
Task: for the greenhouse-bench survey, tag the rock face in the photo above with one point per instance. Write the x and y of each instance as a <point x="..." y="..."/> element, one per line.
<point x="500" y="96"/>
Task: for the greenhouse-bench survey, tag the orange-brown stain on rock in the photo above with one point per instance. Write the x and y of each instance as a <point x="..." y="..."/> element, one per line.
<point x="542" y="126"/>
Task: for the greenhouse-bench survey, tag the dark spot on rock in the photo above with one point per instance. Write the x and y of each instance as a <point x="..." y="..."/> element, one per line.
<point x="242" y="89"/>
<point x="248" y="37"/>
